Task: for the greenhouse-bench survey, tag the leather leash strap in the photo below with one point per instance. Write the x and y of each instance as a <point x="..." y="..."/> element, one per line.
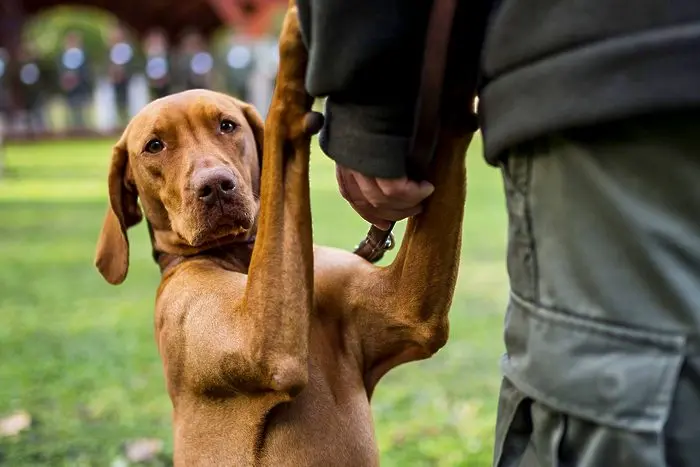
<point x="427" y="116"/>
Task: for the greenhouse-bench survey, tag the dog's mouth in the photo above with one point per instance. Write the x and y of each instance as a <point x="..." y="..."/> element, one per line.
<point x="222" y="223"/>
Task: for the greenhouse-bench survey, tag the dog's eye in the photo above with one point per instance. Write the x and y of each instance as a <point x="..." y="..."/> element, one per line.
<point x="154" y="146"/>
<point x="227" y="126"/>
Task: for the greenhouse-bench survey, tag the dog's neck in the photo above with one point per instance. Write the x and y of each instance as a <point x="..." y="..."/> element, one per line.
<point x="232" y="253"/>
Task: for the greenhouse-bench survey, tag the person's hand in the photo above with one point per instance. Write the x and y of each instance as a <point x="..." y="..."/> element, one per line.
<point x="381" y="201"/>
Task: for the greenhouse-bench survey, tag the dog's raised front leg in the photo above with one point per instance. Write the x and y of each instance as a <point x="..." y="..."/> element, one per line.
<point x="405" y="305"/>
<point x="249" y="334"/>
<point x="279" y="293"/>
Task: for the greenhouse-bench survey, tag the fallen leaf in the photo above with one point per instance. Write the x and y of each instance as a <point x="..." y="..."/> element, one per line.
<point x="13" y="424"/>
<point x="142" y="450"/>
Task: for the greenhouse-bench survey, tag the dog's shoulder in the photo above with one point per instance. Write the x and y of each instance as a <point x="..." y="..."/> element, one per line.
<point x="338" y="279"/>
<point x="335" y="261"/>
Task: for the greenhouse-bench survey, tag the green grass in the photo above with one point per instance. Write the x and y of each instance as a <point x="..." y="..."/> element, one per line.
<point x="80" y="356"/>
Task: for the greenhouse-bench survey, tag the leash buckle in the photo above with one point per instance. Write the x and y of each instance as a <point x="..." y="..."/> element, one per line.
<point x="376" y="243"/>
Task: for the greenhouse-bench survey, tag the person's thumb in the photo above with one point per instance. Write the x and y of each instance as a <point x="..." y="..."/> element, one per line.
<point x="425" y="189"/>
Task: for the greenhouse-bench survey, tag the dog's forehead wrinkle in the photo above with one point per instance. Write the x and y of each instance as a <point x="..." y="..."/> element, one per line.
<point x="205" y="108"/>
<point x="153" y="124"/>
<point x="189" y="111"/>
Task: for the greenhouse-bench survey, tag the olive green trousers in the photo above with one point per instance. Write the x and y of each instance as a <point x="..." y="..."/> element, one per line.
<point x="602" y="366"/>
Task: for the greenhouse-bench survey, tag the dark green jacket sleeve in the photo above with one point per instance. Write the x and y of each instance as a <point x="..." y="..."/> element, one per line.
<point x="365" y="58"/>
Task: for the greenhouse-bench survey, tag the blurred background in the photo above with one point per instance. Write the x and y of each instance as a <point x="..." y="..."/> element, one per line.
<point x="81" y="382"/>
<point x="84" y="71"/>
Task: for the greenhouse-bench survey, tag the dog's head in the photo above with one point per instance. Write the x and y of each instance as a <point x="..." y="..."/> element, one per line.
<point x="193" y="160"/>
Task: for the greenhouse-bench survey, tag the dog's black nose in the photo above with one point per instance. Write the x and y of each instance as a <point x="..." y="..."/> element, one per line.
<point x="211" y="185"/>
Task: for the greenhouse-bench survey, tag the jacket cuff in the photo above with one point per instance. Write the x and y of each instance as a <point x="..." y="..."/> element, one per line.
<point x="371" y="140"/>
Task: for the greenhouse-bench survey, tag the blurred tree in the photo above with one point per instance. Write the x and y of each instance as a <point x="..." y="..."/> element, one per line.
<point x="47" y="29"/>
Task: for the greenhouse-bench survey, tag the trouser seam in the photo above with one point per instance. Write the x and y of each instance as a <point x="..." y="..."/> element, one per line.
<point x="534" y="268"/>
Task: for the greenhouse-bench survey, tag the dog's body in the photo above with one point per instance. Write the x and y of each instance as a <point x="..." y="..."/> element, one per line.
<point x="327" y="423"/>
<point x="271" y="352"/>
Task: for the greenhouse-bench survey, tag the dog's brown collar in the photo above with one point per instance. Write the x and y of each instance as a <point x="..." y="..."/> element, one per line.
<point x="226" y="259"/>
<point x="233" y="255"/>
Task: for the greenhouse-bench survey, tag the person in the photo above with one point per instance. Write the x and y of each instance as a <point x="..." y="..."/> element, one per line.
<point x="158" y="68"/>
<point x="120" y="69"/>
<point x="590" y="110"/>
<point x="33" y="80"/>
<point x="4" y="88"/>
<point x="196" y="63"/>
<point x="261" y="82"/>
<point x="75" y="78"/>
<point x="239" y="65"/>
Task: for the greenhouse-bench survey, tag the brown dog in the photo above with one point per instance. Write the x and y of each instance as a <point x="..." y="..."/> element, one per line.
<point x="271" y="352"/>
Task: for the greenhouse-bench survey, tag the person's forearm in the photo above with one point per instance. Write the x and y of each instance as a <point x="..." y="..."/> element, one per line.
<point x="365" y="57"/>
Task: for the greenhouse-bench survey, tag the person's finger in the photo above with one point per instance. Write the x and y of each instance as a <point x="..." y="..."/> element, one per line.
<point x="349" y="188"/>
<point x="395" y="215"/>
<point x="391" y="193"/>
<point x="340" y="177"/>
<point x="373" y="205"/>
<point x="405" y="190"/>
<point x="380" y="223"/>
<point x="353" y="195"/>
<point x="403" y="198"/>
<point x="369" y="189"/>
<point x="382" y="218"/>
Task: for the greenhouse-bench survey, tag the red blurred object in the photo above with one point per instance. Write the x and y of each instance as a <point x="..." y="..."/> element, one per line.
<point x="248" y="16"/>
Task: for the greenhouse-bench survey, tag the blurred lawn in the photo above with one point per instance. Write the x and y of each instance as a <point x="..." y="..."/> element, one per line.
<point x="80" y="356"/>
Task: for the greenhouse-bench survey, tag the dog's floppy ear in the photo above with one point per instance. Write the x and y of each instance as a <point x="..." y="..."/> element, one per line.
<point x="112" y="255"/>
<point x="258" y="126"/>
